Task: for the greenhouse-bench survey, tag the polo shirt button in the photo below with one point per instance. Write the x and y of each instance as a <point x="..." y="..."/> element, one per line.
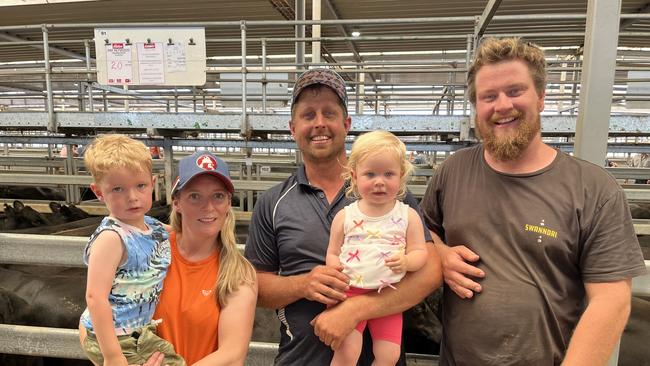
<point x="321" y="194"/>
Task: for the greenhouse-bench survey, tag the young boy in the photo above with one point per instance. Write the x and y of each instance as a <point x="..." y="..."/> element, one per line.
<point x="127" y="257"/>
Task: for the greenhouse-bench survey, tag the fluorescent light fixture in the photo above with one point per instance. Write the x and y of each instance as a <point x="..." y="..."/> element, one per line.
<point x="356" y="33"/>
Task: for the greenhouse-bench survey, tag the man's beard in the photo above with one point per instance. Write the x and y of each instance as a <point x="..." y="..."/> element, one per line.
<point x="508" y="147"/>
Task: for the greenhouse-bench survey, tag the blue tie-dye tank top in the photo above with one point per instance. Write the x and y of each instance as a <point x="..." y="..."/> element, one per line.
<point x="138" y="282"/>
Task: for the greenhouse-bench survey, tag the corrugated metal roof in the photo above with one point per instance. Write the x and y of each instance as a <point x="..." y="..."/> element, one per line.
<point x="172" y="11"/>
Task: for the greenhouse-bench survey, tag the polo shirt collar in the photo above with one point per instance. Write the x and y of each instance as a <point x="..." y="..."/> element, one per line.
<point x="301" y="177"/>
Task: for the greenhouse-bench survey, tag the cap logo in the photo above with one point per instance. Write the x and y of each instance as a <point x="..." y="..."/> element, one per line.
<point x="206" y="162"/>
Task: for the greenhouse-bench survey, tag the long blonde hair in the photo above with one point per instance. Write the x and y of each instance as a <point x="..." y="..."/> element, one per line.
<point x="234" y="269"/>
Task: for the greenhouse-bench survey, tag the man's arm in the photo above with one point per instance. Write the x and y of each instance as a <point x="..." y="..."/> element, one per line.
<point x="602" y="323"/>
<point x="335" y="323"/>
<point x="456" y="269"/>
<point x="323" y="284"/>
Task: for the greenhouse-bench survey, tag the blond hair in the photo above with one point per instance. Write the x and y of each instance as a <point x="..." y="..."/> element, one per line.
<point x="494" y="50"/>
<point x="372" y="143"/>
<point x="234" y="269"/>
<point x="107" y="152"/>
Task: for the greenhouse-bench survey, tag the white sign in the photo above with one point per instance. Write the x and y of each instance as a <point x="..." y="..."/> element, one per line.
<point x="151" y="63"/>
<point x="171" y="56"/>
<point x="265" y="170"/>
<point x="176" y="57"/>
<point x="119" y="69"/>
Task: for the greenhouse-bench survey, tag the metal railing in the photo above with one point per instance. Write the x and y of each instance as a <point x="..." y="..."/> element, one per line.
<point x="67" y="251"/>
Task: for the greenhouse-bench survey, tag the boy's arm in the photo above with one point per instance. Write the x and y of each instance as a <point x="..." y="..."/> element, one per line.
<point x="105" y="256"/>
<point x="415" y="251"/>
<point x="336" y="240"/>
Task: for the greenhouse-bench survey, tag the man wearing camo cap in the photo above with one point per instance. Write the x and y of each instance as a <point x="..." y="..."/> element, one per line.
<point x="289" y="234"/>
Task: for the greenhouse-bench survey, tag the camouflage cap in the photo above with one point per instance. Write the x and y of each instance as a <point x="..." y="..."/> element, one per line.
<point x="320" y="76"/>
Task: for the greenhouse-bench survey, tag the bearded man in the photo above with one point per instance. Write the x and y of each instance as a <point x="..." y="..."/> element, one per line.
<point x="537" y="247"/>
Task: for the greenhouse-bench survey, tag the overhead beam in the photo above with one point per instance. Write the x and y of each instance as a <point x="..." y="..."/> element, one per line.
<point x="57" y="50"/>
<point x="287" y="11"/>
<point x="342" y="30"/>
<point x="350" y="44"/>
<point x="486" y="17"/>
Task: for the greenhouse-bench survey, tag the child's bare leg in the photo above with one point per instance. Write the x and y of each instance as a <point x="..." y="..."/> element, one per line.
<point x="386" y="353"/>
<point x="350" y="349"/>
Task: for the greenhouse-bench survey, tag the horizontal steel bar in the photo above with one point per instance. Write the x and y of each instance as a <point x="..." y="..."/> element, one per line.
<point x="629" y="173"/>
<point x="44" y="179"/>
<point x="47" y="250"/>
<point x="289" y="144"/>
<point x="641" y="227"/>
<point x="56" y="179"/>
<point x="64" y="343"/>
<point x="68" y="250"/>
<point x="284" y="23"/>
<point x="201" y="122"/>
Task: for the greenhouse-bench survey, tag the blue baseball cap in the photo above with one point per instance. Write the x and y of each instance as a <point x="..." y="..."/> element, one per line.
<point x="202" y="162"/>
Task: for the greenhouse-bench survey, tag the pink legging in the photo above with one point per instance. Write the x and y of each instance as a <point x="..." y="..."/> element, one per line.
<point x="387" y="328"/>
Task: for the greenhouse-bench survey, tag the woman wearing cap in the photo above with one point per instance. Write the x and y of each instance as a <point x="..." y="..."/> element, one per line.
<point x="208" y="300"/>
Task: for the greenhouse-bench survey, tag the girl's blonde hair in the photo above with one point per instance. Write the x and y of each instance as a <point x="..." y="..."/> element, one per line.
<point x="370" y="144"/>
<point x="107" y="152"/>
<point x="234" y="269"/>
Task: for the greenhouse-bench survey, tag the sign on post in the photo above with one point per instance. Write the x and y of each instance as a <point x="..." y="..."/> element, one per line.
<point x="151" y="56"/>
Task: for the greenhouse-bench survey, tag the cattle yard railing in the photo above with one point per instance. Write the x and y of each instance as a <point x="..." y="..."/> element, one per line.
<point x="67" y="251"/>
<point x="636" y="192"/>
<point x="64" y="343"/>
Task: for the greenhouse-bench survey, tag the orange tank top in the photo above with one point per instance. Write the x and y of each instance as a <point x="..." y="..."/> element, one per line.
<point x="188" y="307"/>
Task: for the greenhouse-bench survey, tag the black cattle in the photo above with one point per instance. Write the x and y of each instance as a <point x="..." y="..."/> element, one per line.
<point x="422" y="327"/>
<point x="32" y="193"/>
<point x="8" y="218"/>
<point x="41" y="296"/>
<point x="20" y="216"/>
<point x="66" y="213"/>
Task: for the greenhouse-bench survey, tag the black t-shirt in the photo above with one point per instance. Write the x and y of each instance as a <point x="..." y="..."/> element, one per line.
<point x="539" y="236"/>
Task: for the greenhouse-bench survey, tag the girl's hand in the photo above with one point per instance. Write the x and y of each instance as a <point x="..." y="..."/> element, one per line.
<point x="397" y="263"/>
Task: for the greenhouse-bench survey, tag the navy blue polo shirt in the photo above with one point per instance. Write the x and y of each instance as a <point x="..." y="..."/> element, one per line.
<point x="289" y="235"/>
